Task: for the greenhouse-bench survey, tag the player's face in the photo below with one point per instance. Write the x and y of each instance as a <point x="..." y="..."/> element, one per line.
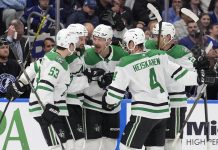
<point x="4" y="51"/>
<point x="71" y="49"/>
<point x="82" y="41"/>
<point x="100" y="44"/>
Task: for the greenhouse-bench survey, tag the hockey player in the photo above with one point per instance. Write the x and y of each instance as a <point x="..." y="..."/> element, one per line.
<point x="79" y="83"/>
<point x="178" y="99"/>
<point x="52" y="78"/>
<point x="101" y="125"/>
<point x="146" y="74"/>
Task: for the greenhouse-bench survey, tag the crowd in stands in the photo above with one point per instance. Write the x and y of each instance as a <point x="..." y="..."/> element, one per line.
<point x="134" y="13"/>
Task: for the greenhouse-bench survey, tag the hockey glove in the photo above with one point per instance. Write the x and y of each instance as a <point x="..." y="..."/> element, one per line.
<point x="93" y="73"/>
<point x="14" y="90"/>
<point x="207" y="77"/>
<point x="201" y="63"/>
<point x="107" y="106"/>
<point x="50" y="114"/>
<point x="105" y="80"/>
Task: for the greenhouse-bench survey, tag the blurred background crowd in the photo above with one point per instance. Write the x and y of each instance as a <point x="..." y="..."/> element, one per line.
<point x="24" y="15"/>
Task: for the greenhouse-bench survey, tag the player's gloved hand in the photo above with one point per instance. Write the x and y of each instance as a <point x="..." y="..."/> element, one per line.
<point x="201" y="63"/>
<point x="93" y="73"/>
<point x="105" y="80"/>
<point x="14" y="90"/>
<point x="107" y="106"/>
<point x="50" y="114"/>
<point x="207" y="77"/>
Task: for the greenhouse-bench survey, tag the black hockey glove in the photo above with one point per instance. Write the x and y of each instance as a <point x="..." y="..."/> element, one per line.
<point x="105" y="80"/>
<point x="14" y="90"/>
<point x="93" y="73"/>
<point x="207" y="77"/>
<point x="107" y="106"/>
<point x="201" y="63"/>
<point x="50" y="114"/>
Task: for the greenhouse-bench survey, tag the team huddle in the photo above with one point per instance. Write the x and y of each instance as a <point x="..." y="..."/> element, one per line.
<point x="77" y="90"/>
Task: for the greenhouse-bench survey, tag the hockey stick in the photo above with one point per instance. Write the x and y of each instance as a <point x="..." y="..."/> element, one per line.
<point x="28" y="54"/>
<point x="195" y="18"/>
<point x="159" y="19"/>
<point x="36" y="35"/>
<point x="189" y="115"/>
<point x="34" y="91"/>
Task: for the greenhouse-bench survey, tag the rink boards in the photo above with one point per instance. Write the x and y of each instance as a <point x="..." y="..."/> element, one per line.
<point x="19" y="131"/>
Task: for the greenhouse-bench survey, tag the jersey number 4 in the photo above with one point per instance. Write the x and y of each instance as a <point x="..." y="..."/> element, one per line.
<point x="54" y="72"/>
<point x="153" y="81"/>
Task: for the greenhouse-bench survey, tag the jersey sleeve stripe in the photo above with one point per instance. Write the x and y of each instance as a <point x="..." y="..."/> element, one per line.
<point x="176" y="93"/>
<point x="178" y="70"/>
<point x="36" y="68"/>
<point x="115" y="96"/>
<point x="148" y="103"/>
<point x="182" y="74"/>
<point x="178" y="99"/>
<point x="47" y="82"/>
<point x="44" y="88"/>
<point x="150" y="110"/>
<point x="116" y="90"/>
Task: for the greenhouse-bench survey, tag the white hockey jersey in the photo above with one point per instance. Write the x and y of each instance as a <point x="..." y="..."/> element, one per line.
<point x="51" y="82"/>
<point x="93" y="94"/>
<point x="79" y="81"/>
<point x="147" y="75"/>
<point x="183" y="57"/>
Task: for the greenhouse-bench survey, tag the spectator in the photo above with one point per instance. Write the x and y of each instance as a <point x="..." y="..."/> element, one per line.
<point x="90" y="29"/>
<point x="213" y="55"/>
<point x="48" y="44"/>
<point x="103" y="7"/>
<point x="193" y="39"/>
<point x="9" y="69"/>
<point x="87" y="14"/>
<point x="214" y="13"/>
<point x="213" y="35"/>
<point x="173" y="12"/>
<point x="181" y="26"/>
<point x="11" y="10"/>
<point x="21" y="46"/>
<point x="205" y="22"/>
<point x="43" y="8"/>
<point x="126" y="13"/>
<point x="194" y="6"/>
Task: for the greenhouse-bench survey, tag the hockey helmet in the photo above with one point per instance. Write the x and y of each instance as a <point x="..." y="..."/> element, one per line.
<point x="167" y="29"/>
<point x="136" y="35"/>
<point x="103" y="31"/>
<point x="78" y="29"/>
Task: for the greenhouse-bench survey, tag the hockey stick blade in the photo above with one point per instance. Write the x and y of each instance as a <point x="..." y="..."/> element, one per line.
<point x="190" y="14"/>
<point x="154" y="11"/>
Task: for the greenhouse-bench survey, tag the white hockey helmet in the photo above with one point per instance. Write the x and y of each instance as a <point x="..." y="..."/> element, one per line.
<point x="167" y="29"/>
<point x="136" y="35"/>
<point x="103" y="31"/>
<point x="64" y="38"/>
<point x="78" y="29"/>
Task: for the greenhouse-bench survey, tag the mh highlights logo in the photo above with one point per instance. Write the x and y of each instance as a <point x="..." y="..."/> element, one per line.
<point x="194" y="129"/>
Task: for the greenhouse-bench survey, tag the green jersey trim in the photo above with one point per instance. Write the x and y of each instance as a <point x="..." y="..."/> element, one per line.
<point x="44" y="88"/>
<point x="177" y="99"/>
<point x="35" y="109"/>
<point x="181" y="75"/>
<point x="91" y="106"/>
<point x="150" y="110"/>
<point x="135" y="57"/>
<point x="115" y="96"/>
<point x="71" y="58"/>
<point x="53" y="56"/>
